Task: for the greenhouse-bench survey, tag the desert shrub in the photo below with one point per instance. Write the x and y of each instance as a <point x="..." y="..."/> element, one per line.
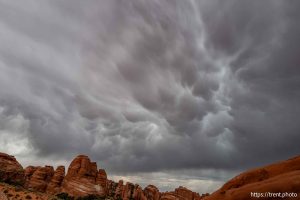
<point x="18" y="188"/>
<point x="64" y="196"/>
<point x="28" y="197"/>
<point x="10" y="195"/>
<point x="91" y="197"/>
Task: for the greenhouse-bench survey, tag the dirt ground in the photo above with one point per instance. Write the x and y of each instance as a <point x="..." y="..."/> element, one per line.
<point x="9" y="192"/>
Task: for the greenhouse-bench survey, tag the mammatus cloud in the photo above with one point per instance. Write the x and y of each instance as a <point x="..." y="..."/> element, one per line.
<point x="151" y="87"/>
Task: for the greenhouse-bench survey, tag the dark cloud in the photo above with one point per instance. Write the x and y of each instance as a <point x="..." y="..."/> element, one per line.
<point x="151" y="86"/>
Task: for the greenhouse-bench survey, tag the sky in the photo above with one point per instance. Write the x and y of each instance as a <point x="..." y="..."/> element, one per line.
<point x="163" y="92"/>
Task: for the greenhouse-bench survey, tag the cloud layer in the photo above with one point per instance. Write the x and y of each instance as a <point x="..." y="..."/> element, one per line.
<point x="151" y="86"/>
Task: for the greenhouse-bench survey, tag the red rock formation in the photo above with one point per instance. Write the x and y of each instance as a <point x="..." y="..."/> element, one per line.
<point x="38" y="178"/>
<point x="128" y="191"/>
<point x="84" y="179"/>
<point x="125" y="192"/>
<point x="81" y="179"/>
<point x="151" y="193"/>
<point x="54" y="187"/>
<point x="169" y="196"/>
<point x="10" y="170"/>
<point x="138" y="193"/>
<point x="131" y="191"/>
<point x="28" y="174"/>
<point x="280" y="177"/>
<point x="119" y="190"/>
<point x="111" y="188"/>
<point x="181" y="193"/>
<point x="184" y="193"/>
<point x="102" y="179"/>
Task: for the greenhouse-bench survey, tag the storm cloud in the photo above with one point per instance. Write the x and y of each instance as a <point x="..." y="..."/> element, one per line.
<point x="147" y="87"/>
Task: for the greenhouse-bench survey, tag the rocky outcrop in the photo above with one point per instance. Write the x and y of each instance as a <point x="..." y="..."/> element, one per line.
<point x="10" y="170"/>
<point x="280" y="177"/>
<point x="119" y="190"/>
<point x="184" y="193"/>
<point x="111" y="188"/>
<point x="187" y="194"/>
<point x="81" y="179"/>
<point x="132" y="191"/>
<point x="38" y="178"/>
<point x="151" y="192"/>
<point x="180" y="193"/>
<point x="138" y="193"/>
<point x="128" y="190"/>
<point x="169" y="196"/>
<point x="54" y="187"/>
<point x="102" y="179"/>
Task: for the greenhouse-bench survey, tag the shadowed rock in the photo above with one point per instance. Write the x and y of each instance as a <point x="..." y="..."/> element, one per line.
<point x="10" y="170"/>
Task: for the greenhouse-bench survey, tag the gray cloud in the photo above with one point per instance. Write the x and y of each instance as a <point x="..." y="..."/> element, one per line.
<point x="154" y="86"/>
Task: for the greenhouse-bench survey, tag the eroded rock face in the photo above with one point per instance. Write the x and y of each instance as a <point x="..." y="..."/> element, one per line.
<point x="128" y="191"/>
<point x="138" y="193"/>
<point x="131" y="191"/>
<point x="10" y="170"/>
<point x="81" y="179"/>
<point x="151" y="192"/>
<point x="102" y="179"/>
<point x="184" y="193"/>
<point x="38" y="178"/>
<point x="28" y="174"/>
<point x="54" y="187"/>
<point x="169" y="196"/>
<point x="180" y="193"/>
<point x="279" y="177"/>
<point x="111" y="188"/>
<point x="119" y="190"/>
